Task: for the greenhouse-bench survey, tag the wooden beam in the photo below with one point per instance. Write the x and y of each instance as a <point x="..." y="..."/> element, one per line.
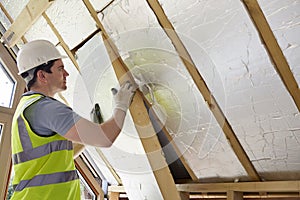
<point x="113" y="195"/>
<point x="62" y="42"/>
<point x="109" y="166"/>
<point x="10" y="19"/>
<point x="274" y="50"/>
<point x="146" y="133"/>
<point x="270" y="186"/>
<point x="73" y="51"/>
<point x="72" y="58"/>
<point x="25" y="20"/>
<point x="114" y="49"/>
<point x="172" y="142"/>
<point x="204" y="90"/>
<point x="233" y="195"/>
<point x="116" y="188"/>
<point x="88" y="176"/>
<point x="208" y="191"/>
<point x="141" y="119"/>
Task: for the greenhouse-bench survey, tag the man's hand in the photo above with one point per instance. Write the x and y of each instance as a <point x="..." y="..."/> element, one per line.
<point x="123" y="96"/>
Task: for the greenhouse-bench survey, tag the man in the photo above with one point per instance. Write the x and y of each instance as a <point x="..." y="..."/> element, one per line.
<point x="43" y="128"/>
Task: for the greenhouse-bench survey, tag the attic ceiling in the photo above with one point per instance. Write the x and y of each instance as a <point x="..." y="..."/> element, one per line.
<point x="213" y="78"/>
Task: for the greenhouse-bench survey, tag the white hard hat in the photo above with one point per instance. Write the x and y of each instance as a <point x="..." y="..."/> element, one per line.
<point x="35" y="53"/>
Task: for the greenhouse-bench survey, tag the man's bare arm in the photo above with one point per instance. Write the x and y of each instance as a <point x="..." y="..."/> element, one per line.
<point x="100" y="135"/>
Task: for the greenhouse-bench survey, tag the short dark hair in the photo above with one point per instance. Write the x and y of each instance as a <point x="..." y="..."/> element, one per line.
<point x="44" y="67"/>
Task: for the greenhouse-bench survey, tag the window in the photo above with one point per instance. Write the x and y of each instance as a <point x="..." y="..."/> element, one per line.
<point x="85" y="190"/>
<point x="7" y="87"/>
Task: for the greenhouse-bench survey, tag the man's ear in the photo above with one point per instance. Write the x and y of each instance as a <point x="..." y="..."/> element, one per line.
<point x="41" y="76"/>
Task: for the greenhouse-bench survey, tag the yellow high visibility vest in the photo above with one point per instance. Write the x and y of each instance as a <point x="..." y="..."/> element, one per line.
<point x="44" y="166"/>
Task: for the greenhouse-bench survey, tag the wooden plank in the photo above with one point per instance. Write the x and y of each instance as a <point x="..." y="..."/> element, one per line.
<point x="84" y="170"/>
<point x="25" y="20"/>
<point x="221" y="196"/>
<point x="200" y="83"/>
<point x="79" y="147"/>
<point x="141" y="120"/>
<point x="113" y="48"/>
<point x="10" y="19"/>
<point x="62" y="42"/>
<point x="78" y="46"/>
<point x="172" y="142"/>
<point x="116" y="188"/>
<point x="147" y="135"/>
<point x="109" y="166"/>
<point x="113" y="195"/>
<point x="274" y="50"/>
<point x="210" y="193"/>
<point x="233" y="195"/>
<point x="270" y="186"/>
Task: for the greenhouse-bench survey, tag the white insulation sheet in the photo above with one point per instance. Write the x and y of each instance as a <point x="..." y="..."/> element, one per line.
<point x="150" y="55"/>
<point x="257" y="104"/>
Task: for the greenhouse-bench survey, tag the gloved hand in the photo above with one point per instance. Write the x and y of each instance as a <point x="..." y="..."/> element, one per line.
<point x="123" y="96"/>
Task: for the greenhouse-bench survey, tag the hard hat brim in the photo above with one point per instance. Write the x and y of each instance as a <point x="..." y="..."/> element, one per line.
<point x="60" y="57"/>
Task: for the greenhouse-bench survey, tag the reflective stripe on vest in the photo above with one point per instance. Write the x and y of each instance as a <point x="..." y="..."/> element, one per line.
<point x="46" y="179"/>
<point x="29" y="152"/>
<point x="42" y="151"/>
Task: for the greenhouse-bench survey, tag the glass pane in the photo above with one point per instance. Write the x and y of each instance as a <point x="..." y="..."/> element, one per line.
<point x="7" y="87"/>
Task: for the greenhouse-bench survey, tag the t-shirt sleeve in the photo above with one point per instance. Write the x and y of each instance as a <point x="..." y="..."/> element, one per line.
<point x="49" y="115"/>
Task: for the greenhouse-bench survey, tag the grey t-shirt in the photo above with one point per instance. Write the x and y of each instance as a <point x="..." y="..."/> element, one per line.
<point x="49" y="116"/>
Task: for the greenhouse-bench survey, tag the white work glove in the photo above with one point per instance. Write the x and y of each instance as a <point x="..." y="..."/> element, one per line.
<point x="123" y="96"/>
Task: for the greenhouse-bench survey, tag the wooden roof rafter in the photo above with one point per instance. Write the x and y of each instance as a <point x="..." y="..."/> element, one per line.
<point x="10" y="19"/>
<point x="275" y="53"/>
<point x="71" y="54"/>
<point x="191" y="173"/>
<point x="137" y="109"/>
<point x="204" y="90"/>
<point x="62" y="42"/>
<point x="28" y="16"/>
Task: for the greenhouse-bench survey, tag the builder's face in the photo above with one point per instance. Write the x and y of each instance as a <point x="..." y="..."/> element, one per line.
<point x="58" y="78"/>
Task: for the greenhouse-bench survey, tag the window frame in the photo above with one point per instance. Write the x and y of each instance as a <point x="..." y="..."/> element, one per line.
<point x="12" y="79"/>
<point x="6" y="118"/>
<point x="89" y="177"/>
